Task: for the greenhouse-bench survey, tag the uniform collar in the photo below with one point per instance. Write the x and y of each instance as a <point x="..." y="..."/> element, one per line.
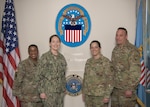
<point x="33" y="61"/>
<point x="124" y="45"/>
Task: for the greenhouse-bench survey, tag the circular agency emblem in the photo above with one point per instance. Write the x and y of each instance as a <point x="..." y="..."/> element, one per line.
<point x="73" y="85"/>
<point x="73" y="25"/>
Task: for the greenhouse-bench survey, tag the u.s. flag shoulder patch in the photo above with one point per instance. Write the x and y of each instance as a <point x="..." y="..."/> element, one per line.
<point x="73" y="25"/>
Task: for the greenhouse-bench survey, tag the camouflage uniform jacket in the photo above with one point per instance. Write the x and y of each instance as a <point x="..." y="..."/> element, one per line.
<point x="98" y="77"/>
<point x="126" y="63"/>
<point x="52" y="73"/>
<point x="25" y="86"/>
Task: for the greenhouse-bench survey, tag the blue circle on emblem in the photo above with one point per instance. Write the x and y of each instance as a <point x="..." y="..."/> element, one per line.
<point x="73" y="25"/>
<point x="74" y="85"/>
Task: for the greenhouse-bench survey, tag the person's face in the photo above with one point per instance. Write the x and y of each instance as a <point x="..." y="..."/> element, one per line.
<point x="121" y="37"/>
<point x="33" y="52"/>
<point x="55" y="43"/>
<point x="95" y="49"/>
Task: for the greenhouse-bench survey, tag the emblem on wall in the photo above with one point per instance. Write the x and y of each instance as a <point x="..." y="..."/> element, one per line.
<point x="73" y="25"/>
<point x="73" y="85"/>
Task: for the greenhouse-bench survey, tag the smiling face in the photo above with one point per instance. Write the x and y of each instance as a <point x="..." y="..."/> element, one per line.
<point x="121" y="37"/>
<point x="54" y="43"/>
<point x="95" y="49"/>
<point x="33" y="52"/>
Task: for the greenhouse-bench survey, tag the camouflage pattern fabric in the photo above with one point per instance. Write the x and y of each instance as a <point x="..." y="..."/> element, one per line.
<point x="94" y="101"/>
<point x="126" y="64"/>
<point x="31" y="104"/>
<point x="52" y="71"/>
<point x="119" y="99"/>
<point x="25" y="85"/>
<point x="98" y="78"/>
<point x="54" y="100"/>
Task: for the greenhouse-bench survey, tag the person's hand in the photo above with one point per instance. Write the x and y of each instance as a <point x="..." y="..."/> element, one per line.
<point x="105" y="100"/>
<point x="128" y="93"/>
<point x="42" y="95"/>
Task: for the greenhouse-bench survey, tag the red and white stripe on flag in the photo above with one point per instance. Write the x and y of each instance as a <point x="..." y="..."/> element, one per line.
<point x="143" y="74"/>
<point x="73" y="36"/>
<point x="9" y="54"/>
<point x="148" y="78"/>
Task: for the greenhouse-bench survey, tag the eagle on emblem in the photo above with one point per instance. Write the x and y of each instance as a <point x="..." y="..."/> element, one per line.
<point x="72" y="18"/>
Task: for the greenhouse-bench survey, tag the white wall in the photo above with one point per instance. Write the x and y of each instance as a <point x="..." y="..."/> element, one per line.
<point x="36" y="23"/>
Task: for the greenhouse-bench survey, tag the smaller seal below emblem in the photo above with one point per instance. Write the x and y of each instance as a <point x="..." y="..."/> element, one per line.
<point x="73" y="85"/>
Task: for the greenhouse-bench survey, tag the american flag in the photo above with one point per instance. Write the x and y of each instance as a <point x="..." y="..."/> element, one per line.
<point x="147" y="78"/>
<point x="148" y="73"/>
<point x="143" y="74"/>
<point x="9" y="54"/>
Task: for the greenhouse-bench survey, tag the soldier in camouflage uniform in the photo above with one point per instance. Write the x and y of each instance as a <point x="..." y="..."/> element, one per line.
<point x="98" y="78"/>
<point x="25" y="85"/>
<point x="126" y="63"/>
<point x="52" y="68"/>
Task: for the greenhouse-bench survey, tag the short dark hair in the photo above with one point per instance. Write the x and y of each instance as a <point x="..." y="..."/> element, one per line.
<point x="99" y="44"/>
<point x="50" y="39"/>
<point x="122" y="28"/>
<point x="32" y="45"/>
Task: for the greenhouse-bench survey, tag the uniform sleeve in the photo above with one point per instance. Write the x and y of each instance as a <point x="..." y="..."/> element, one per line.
<point x="40" y="77"/>
<point x="84" y="82"/>
<point x="134" y="70"/>
<point x="112" y="57"/>
<point x="18" y="80"/>
<point x="109" y="75"/>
